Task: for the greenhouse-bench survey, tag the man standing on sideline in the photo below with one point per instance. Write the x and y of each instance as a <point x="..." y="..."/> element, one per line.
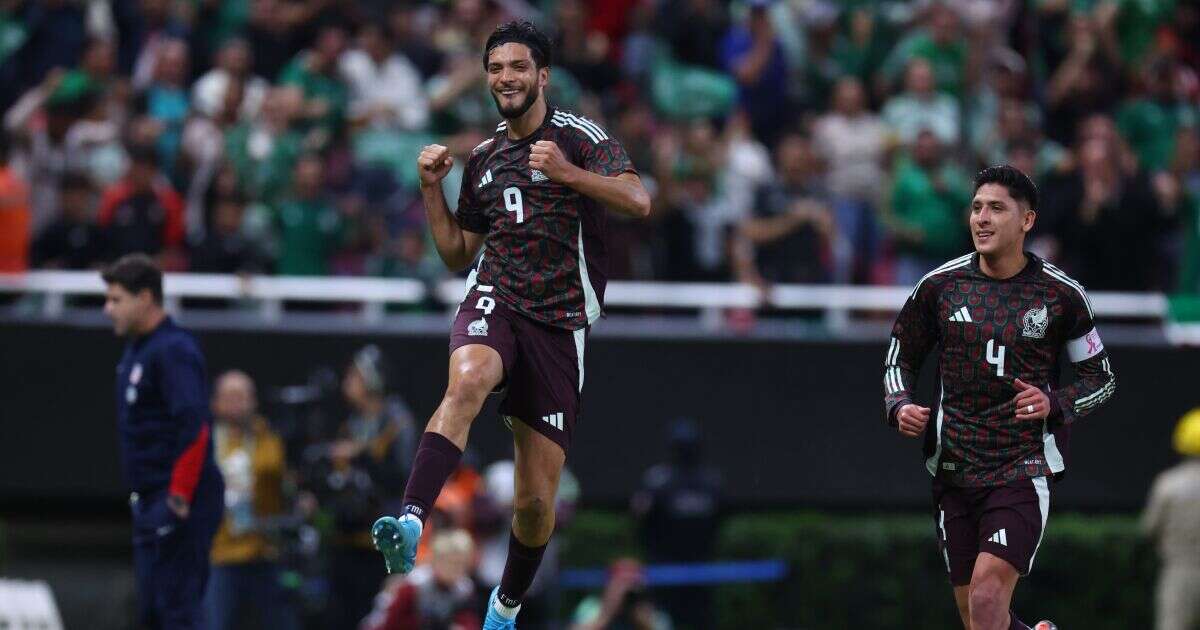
<point x="164" y="425"/>
<point x="1172" y="518"/>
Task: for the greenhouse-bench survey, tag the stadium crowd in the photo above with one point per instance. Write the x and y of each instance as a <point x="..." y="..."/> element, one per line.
<point x="788" y="141"/>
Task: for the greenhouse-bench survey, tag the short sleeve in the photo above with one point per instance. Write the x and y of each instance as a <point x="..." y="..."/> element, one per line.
<point x="607" y="158"/>
<point x="470" y="215"/>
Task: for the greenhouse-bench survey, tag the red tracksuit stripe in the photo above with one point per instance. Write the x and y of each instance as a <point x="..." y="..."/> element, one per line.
<point x="186" y="473"/>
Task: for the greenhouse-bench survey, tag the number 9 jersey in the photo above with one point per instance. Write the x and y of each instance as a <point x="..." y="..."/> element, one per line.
<point x="990" y="332"/>
<point x="545" y="252"/>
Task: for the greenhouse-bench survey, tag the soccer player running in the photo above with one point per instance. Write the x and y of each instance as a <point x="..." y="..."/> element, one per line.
<point x="164" y="423"/>
<point x="533" y="198"/>
<point x="1001" y="317"/>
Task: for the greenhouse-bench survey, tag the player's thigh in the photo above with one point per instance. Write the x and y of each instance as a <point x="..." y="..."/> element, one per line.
<point x="539" y="464"/>
<point x="482" y="342"/>
<point x="996" y="574"/>
<point x="956" y="530"/>
<point x="1013" y="519"/>
<point x="545" y="384"/>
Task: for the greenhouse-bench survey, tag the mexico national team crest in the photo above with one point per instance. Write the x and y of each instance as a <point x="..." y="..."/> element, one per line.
<point x="538" y="176"/>
<point x="477" y="328"/>
<point x="1036" y="320"/>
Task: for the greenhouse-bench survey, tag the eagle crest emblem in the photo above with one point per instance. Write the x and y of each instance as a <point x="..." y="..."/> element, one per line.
<point x="1036" y="320"/>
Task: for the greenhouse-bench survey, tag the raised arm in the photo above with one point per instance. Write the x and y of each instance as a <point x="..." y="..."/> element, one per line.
<point x="456" y="238"/>
<point x="605" y="176"/>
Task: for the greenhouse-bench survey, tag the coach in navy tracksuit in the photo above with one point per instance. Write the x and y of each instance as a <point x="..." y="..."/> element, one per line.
<point x="164" y="423"/>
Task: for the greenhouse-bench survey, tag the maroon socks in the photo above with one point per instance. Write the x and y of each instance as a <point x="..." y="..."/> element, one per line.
<point x="519" y="569"/>
<point x="436" y="460"/>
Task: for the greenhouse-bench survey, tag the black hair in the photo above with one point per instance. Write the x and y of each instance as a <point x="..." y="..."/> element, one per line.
<point x="521" y="32"/>
<point x="135" y="273"/>
<point x="1019" y="186"/>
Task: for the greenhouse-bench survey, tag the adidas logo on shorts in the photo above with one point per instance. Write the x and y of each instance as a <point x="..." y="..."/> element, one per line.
<point x="555" y="420"/>
<point x="1000" y="538"/>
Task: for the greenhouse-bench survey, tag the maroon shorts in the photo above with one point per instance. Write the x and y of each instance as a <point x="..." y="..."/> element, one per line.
<point x="543" y="365"/>
<point x="1006" y="521"/>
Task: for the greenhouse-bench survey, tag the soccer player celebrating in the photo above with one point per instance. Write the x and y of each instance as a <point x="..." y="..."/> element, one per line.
<point x="164" y="422"/>
<point x="533" y="198"/>
<point x="1001" y="317"/>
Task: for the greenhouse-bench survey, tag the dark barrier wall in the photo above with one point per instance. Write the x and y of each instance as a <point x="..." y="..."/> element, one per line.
<point x="787" y="422"/>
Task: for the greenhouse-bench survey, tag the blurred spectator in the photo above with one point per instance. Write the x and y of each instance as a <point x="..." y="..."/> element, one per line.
<point x="1088" y="81"/>
<point x="145" y="27"/>
<point x="678" y="509"/>
<point x="310" y="226"/>
<point x="226" y="247"/>
<point x="853" y="142"/>
<point x="921" y="107"/>
<point x="1172" y="519"/>
<point x="234" y="66"/>
<point x="55" y="32"/>
<point x="1185" y="175"/>
<point x="942" y="44"/>
<point x="73" y="240"/>
<point x="693" y="222"/>
<point x="244" y="590"/>
<point x="751" y="52"/>
<point x="272" y="34"/>
<point x="436" y="595"/>
<point x="407" y="29"/>
<point x="38" y="123"/>
<point x="1016" y="124"/>
<point x="386" y="90"/>
<point x="1105" y="205"/>
<point x="316" y="73"/>
<point x="264" y="151"/>
<point x="582" y="51"/>
<point x="788" y="239"/>
<point x="691" y="27"/>
<point x="166" y="99"/>
<point x="14" y="216"/>
<point x="1151" y="120"/>
<point x="929" y="201"/>
<point x="1005" y="79"/>
<point x="367" y="471"/>
<point x="625" y="604"/>
<point x="143" y="213"/>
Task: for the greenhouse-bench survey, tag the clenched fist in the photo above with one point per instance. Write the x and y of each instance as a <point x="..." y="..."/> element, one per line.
<point x="433" y="164"/>
<point x="911" y="420"/>
<point x="546" y="157"/>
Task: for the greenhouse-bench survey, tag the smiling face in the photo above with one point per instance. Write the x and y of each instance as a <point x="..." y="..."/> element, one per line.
<point x="998" y="222"/>
<point x="515" y="80"/>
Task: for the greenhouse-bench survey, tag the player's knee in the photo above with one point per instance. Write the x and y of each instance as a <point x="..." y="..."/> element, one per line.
<point x="533" y="515"/>
<point x="472" y="381"/>
<point x="987" y="601"/>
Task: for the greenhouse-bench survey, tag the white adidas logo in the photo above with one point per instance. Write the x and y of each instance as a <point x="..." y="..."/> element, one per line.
<point x="538" y="176"/>
<point x="555" y="420"/>
<point x="961" y="315"/>
<point x="1000" y="538"/>
<point x="486" y="179"/>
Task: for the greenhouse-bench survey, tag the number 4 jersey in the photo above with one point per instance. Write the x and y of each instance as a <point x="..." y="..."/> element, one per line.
<point x="991" y="332"/>
<point x="545" y="252"/>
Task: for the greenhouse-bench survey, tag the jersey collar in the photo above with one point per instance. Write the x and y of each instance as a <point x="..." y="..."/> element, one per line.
<point x="1031" y="268"/>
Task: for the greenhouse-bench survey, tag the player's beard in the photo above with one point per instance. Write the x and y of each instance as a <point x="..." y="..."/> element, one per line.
<point x="515" y="112"/>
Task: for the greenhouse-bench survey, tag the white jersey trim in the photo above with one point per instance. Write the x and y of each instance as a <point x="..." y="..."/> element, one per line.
<point x="591" y="303"/>
<point x="931" y="464"/>
<point x="961" y="261"/>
